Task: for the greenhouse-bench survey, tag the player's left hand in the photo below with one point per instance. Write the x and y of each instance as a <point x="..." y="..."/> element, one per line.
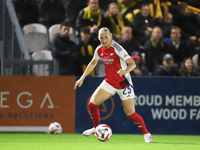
<point x="78" y="83"/>
<point x="121" y="72"/>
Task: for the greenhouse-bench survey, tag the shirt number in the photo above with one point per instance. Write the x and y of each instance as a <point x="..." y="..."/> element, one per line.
<point x="127" y="90"/>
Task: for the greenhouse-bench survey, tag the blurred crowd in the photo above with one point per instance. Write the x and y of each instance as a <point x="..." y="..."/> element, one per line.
<point x="162" y="36"/>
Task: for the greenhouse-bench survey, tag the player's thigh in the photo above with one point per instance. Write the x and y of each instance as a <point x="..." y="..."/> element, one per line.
<point x="99" y="96"/>
<point x="129" y="106"/>
<point x="102" y="93"/>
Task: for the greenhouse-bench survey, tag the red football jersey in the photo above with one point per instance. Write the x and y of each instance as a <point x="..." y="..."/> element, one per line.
<point x="114" y="59"/>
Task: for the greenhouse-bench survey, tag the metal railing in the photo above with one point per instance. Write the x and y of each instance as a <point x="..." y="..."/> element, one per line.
<point x="29" y="67"/>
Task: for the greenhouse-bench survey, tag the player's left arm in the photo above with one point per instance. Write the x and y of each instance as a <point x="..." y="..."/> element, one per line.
<point x="130" y="67"/>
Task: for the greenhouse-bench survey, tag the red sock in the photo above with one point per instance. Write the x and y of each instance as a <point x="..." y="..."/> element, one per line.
<point x="94" y="114"/>
<point x="138" y="120"/>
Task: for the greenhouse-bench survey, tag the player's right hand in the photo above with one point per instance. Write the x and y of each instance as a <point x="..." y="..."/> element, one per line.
<point x="78" y="83"/>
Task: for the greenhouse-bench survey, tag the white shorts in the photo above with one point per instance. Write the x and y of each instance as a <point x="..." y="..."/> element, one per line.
<point x="124" y="94"/>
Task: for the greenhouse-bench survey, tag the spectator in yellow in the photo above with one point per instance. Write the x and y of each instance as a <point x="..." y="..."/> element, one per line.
<point x="116" y="20"/>
<point x="91" y="17"/>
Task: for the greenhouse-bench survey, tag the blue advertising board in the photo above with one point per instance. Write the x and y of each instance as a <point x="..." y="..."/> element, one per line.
<point x="168" y="105"/>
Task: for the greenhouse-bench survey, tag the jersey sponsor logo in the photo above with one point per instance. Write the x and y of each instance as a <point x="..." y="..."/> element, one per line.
<point x="111" y="54"/>
<point x="107" y="61"/>
<point x="101" y="54"/>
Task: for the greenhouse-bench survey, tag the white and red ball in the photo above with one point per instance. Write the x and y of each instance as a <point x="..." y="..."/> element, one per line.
<point x="103" y="132"/>
<point x="55" y="128"/>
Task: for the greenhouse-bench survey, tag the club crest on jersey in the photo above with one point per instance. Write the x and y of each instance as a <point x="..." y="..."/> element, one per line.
<point x="125" y="55"/>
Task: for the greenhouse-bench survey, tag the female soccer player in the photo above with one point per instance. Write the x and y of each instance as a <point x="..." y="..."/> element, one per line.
<point x="117" y="80"/>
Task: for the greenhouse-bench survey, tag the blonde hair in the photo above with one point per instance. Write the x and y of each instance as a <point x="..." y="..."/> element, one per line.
<point x="104" y="29"/>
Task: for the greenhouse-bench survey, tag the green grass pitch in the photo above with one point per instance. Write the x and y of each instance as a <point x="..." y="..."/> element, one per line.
<point x="42" y="141"/>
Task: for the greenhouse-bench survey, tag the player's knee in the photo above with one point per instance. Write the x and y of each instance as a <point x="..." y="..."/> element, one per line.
<point x="129" y="110"/>
<point x="95" y="100"/>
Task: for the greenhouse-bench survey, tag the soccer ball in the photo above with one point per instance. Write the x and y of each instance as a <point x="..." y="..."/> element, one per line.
<point x="103" y="132"/>
<point x="55" y="128"/>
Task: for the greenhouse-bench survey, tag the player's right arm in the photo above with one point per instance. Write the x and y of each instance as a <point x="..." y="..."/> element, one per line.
<point x="87" y="71"/>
